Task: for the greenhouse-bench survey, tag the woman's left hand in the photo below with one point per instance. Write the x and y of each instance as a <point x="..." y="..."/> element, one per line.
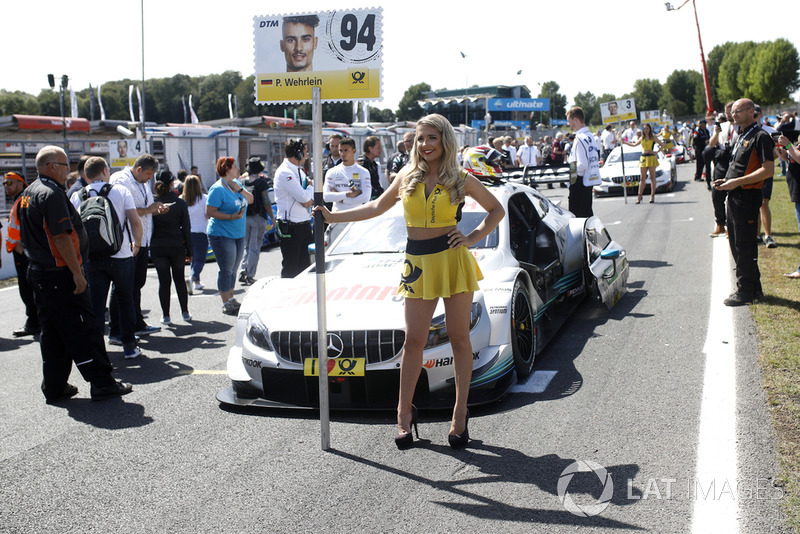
<point x="456" y="239"/>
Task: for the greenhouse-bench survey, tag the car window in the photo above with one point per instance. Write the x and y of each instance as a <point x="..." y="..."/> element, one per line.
<point x="469" y="221"/>
<point x="631" y="155"/>
<point x="387" y="233"/>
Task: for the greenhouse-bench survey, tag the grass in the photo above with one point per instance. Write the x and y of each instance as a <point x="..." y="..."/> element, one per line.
<point x="777" y="320"/>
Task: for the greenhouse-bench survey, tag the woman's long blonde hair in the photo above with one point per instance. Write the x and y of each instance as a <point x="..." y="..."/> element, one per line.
<point x="450" y="173"/>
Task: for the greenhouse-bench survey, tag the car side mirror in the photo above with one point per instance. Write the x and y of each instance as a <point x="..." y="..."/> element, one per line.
<point x="610" y="254"/>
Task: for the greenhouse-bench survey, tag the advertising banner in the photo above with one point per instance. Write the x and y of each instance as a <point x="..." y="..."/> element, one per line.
<point x="341" y="52"/>
<point x="519" y="104"/>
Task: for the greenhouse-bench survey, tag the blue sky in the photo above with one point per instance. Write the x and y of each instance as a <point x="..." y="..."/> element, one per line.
<point x="584" y="45"/>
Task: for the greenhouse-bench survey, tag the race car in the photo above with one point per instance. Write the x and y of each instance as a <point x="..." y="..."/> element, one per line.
<point x="611" y="173"/>
<point x="681" y="154"/>
<point x="538" y="266"/>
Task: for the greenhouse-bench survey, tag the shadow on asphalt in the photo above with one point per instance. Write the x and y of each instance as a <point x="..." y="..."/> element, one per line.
<point x="111" y="414"/>
<point x="503" y="465"/>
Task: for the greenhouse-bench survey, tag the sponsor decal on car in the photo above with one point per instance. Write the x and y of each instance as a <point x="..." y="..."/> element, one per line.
<point x="251" y="363"/>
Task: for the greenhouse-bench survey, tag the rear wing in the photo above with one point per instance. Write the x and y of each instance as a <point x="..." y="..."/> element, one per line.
<point x="542" y="174"/>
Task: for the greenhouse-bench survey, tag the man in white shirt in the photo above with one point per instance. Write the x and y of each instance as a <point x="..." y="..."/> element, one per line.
<point x="608" y="140"/>
<point x="118" y="268"/>
<point x="511" y="149"/>
<point x="293" y="199"/>
<point x="528" y="155"/>
<point x="630" y="135"/>
<point x="347" y="185"/>
<point x="587" y="164"/>
<point x="137" y="180"/>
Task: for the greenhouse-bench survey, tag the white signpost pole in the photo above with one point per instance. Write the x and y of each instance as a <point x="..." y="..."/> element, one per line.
<point x="319" y="253"/>
<point x="344" y="57"/>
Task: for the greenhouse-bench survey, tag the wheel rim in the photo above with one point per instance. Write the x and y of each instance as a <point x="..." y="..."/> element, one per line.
<point x="523" y="327"/>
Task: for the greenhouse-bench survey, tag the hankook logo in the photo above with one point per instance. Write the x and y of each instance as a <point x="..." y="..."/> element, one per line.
<point x="335" y="345"/>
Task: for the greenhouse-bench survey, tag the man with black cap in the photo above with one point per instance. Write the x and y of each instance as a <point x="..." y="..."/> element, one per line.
<point x="700" y="139"/>
<point x="15" y="184"/>
<point x="258" y="213"/>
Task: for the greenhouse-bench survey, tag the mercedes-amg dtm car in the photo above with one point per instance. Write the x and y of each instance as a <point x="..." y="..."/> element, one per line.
<point x="538" y="265"/>
<point x="611" y="173"/>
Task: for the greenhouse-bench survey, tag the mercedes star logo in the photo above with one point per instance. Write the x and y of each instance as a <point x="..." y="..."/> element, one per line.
<point x="335" y="345"/>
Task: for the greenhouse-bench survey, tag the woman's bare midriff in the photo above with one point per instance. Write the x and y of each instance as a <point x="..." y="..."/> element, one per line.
<point x="428" y="233"/>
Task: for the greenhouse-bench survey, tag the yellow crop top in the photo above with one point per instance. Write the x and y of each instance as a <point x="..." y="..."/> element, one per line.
<point x="648" y="144"/>
<point x="436" y="211"/>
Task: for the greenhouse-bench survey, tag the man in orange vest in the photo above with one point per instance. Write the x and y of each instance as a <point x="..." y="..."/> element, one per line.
<point x="15" y="184"/>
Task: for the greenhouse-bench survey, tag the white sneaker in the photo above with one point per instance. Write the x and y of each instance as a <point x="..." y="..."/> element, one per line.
<point x="197" y="286"/>
<point x="187" y="316"/>
<point x="166" y="320"/>
<point x="135" y="352"/>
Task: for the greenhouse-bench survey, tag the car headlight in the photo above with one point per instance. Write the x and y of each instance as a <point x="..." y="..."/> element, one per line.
<point x="437" y="335"/>
<point x="659" y="173"/>
<point x="257" y="333"/>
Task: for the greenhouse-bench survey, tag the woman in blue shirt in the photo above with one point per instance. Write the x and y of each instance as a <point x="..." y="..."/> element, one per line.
<point x="225" y="209"/>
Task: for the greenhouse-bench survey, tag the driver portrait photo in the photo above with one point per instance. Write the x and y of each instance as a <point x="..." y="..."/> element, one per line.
<point x="612" y="108"/>
<point x="122" y="148"/>
<point x="298" y="42"/>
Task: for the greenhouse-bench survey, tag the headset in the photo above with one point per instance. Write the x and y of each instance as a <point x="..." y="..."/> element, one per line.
<point x="296" y="148"/>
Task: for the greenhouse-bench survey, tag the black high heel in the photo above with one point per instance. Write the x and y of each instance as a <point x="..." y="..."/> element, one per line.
<point x="460" y="441"/>
<point x="405" y="440"/>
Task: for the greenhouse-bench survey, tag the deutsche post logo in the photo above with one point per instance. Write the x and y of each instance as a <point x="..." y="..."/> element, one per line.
<point x="359" y="78"/>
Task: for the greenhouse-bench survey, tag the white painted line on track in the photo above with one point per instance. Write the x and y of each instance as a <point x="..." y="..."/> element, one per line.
<point x="537" y="382"/>
<point x="715" y="484"/>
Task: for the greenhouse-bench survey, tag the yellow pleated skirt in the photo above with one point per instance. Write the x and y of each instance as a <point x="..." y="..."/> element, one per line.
<point x="648" y="161"/>
<point x="432" y="269"/>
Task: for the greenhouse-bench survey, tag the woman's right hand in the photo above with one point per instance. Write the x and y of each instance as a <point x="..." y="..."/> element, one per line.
<point x="326" y="214"/>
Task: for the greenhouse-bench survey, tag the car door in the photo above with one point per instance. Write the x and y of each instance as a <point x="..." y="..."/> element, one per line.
<point x="607" y="263"/>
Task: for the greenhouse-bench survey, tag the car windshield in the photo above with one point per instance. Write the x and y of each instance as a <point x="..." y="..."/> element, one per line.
<point x="631" y="155"/>
<point x="387" y="234"/>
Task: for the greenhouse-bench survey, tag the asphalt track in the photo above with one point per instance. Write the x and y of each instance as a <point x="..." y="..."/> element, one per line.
<point x="604" y="437"/>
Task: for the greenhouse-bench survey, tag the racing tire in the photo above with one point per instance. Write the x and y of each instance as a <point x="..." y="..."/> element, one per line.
<point x="523" y="330"/>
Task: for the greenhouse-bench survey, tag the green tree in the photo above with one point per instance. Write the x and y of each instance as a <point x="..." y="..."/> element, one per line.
<point x="591" y="109"/>
<point x="408" y="108"/>
<point x="18" y="102"/>
<point x="713" y="63"/>
<point x="558" y="102"/>
<point x="381" y="115"/>
<point x="680" y="93"/>
<point x="647" y="94"/>
<point x="729" y="79"/>
<point x="774" y="74"/>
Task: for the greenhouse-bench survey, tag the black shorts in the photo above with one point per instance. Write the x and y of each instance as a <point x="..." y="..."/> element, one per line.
<point x="766" y="189"/>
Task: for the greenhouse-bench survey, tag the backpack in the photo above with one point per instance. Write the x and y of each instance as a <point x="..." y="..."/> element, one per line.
<point x="547" y="149"/>
<point x="255" y="185"/>
<point x="101" y="222"/>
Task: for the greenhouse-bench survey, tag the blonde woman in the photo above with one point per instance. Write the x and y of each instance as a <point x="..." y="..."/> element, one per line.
<point x="648" y="161"/>
<point x="432" y="187"/>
